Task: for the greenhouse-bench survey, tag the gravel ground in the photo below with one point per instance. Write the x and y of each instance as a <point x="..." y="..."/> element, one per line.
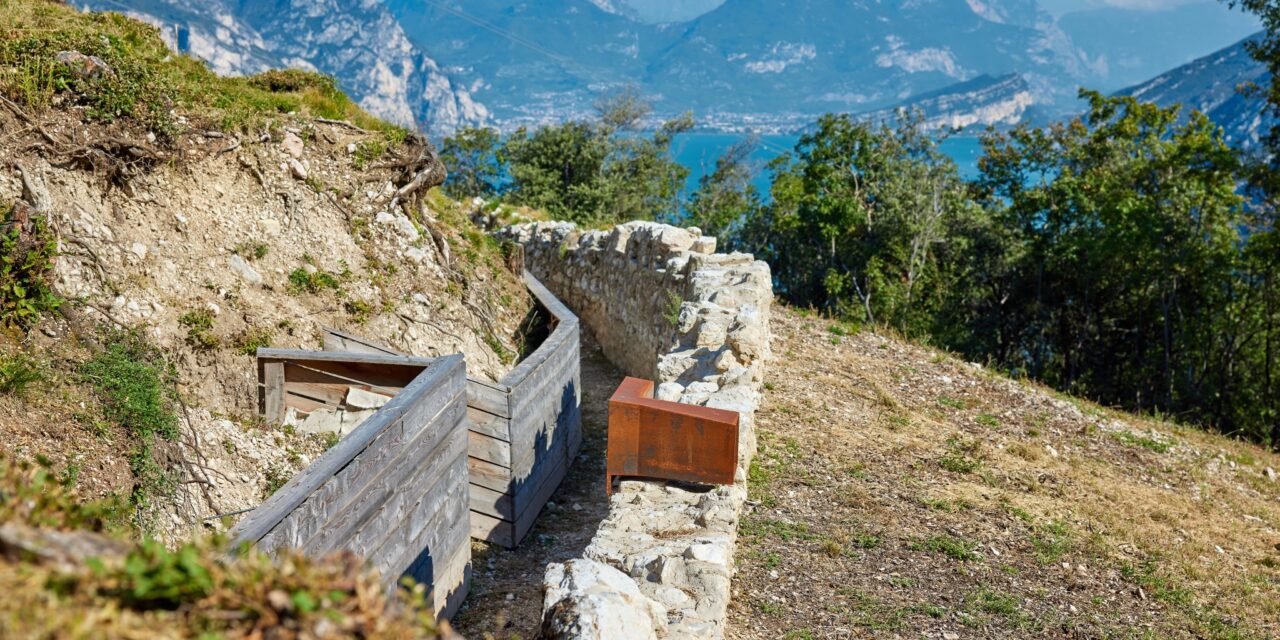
<point x="902" y="493"/>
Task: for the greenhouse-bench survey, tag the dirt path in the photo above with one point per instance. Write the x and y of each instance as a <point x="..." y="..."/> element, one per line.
<point x="506" y="589"/>
<point x="902" y="493"/>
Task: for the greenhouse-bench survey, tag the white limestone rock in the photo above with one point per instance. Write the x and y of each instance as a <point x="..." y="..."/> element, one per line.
<point x="588" y="600"/>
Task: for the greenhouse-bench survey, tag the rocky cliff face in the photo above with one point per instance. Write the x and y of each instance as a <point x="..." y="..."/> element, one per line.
<point x="982" y="101"/>
<point x="357" y="41"/>
<point x="1212" y="85"/>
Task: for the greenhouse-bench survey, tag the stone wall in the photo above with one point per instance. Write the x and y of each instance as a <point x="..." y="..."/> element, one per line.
<point x="666" y="307"/>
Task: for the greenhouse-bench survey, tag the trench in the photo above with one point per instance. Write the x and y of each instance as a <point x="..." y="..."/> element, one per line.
<point x="505" y="599"/>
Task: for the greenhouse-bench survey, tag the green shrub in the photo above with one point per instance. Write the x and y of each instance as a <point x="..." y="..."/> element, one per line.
<point x="136" y="385"/>
<point x="27" y="252"/>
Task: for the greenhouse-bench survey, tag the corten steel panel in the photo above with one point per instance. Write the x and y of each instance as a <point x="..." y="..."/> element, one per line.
<point x="668" y="440"/>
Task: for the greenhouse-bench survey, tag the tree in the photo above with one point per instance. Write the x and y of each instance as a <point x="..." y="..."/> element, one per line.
<point x="726" y="196"/>
<point x="475" y="170"/>
<point x="598" y="172"/>
<point x="859" y="220"/>
<point x="1126" y="286"/>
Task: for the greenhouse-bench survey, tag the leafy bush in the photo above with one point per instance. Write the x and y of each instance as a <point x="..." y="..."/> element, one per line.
<point x="27" y="251"/>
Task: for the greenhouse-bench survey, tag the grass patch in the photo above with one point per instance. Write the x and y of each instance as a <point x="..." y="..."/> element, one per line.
<point x="1133" y="440"/>
<point x="136" y="385"/>
<point x="988" y="420"/>
<point x="951" y="403"/>
<point x="785" y="531"/>
<point x="952" y="547"/>
<point x="1051" y="541"/>
<point x="18" y="372"/>
<point x="148" y="83"/>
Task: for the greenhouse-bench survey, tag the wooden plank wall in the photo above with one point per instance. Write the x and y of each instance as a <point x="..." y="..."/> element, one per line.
<point x="523" y="440"/>
<point x="394" y="490"/>
<point x="524" y="430"/>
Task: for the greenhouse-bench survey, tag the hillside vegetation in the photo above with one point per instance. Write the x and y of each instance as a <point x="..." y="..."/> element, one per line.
<point x="902" y="492"/>
<point x="162" y="223"/>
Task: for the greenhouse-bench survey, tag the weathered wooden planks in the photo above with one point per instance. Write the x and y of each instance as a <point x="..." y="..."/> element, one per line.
<point x="512" y="474"/>
<point x="524" y="430"/>
<point x="394" y="490"/>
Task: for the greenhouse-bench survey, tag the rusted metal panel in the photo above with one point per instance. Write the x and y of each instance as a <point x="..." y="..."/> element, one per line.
<point x="668" y="440"/>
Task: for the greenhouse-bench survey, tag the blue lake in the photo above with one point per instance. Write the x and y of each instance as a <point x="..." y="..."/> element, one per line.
<point x="699" y="151"/>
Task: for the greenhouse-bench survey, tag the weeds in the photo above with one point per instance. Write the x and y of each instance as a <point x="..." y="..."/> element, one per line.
<point x="1151" y="444"/>
<point x="309" y="279"/>
<point x="252" y="250"/>
<point x="199" y="324"/>
<point x="28" y="248"/>
<point x="18" y="372"/>
<point x="255" y="339"/>
<point x="671" y="311"/>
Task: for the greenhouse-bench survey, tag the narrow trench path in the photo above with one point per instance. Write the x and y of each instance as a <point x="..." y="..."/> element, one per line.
<point x="505" y="601"/>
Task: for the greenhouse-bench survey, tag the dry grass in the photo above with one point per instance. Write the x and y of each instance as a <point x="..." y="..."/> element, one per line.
<point x="900" y="491"/>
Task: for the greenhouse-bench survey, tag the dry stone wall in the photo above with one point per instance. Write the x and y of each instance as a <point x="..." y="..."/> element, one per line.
<point x="666" y="307"/>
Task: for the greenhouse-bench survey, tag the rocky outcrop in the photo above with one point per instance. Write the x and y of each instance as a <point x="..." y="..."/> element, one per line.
<point x="663" y="306"/>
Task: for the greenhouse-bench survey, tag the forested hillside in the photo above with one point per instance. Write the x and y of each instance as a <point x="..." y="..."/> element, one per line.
<point x="1128" y="255"/>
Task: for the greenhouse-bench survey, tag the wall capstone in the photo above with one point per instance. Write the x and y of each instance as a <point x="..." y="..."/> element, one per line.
<point x="666" y="307"/>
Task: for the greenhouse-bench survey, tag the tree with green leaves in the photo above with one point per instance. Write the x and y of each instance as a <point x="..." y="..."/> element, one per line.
<point x="598" y="172"/>
<point x="475" y="169"/>
<point x="726" y="197"/>
<point x="859" y="221"/>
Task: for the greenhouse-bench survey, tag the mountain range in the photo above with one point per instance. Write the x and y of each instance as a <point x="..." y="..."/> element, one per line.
<point x="763" y="65"/>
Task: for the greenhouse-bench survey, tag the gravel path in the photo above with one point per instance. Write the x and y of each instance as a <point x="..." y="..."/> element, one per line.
<point x="506" y="590"/>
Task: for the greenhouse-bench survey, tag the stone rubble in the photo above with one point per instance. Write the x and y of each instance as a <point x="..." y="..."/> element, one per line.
<point x="663" y="306"/>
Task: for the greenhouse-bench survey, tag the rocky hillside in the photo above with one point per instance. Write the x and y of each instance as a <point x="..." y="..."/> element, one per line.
<point x="900" y="492"/>
<point x="1212" y="85"/>
<point x="164" y="222"/>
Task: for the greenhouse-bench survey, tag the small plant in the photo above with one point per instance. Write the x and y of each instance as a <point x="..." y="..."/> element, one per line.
<point x="504" y="354"/>
<point x="671" y="311"/>
<point x="1051" y="541"/>
<point x="954" y="548"/>
<point x="136" y="385"/>
<point x="255" y="339"/>
<point x="988" y="420"/>
<point x="330" y="439"/>
<point x="17" y="373"/>
<point x="199" y="324"/>
<point x="277" y="476"/>
<point x="359" y="310"/>
<point x="252" y="250"/>
<point x="27" y="252"/>
<point x="1001" y="604"/>
<point x="956" y="463"/>
<point x="368" y="151"/>
<point x="948" y="401"/>
<point x="1151" y="444"/>
<point x="312" y="280"/>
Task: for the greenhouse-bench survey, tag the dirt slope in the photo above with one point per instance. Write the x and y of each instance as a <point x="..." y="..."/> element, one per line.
<point x="900" y="492"/>
<point x="223" y="247"/>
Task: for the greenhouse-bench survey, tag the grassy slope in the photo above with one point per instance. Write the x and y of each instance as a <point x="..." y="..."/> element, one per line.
<point x="900" y="492"/>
